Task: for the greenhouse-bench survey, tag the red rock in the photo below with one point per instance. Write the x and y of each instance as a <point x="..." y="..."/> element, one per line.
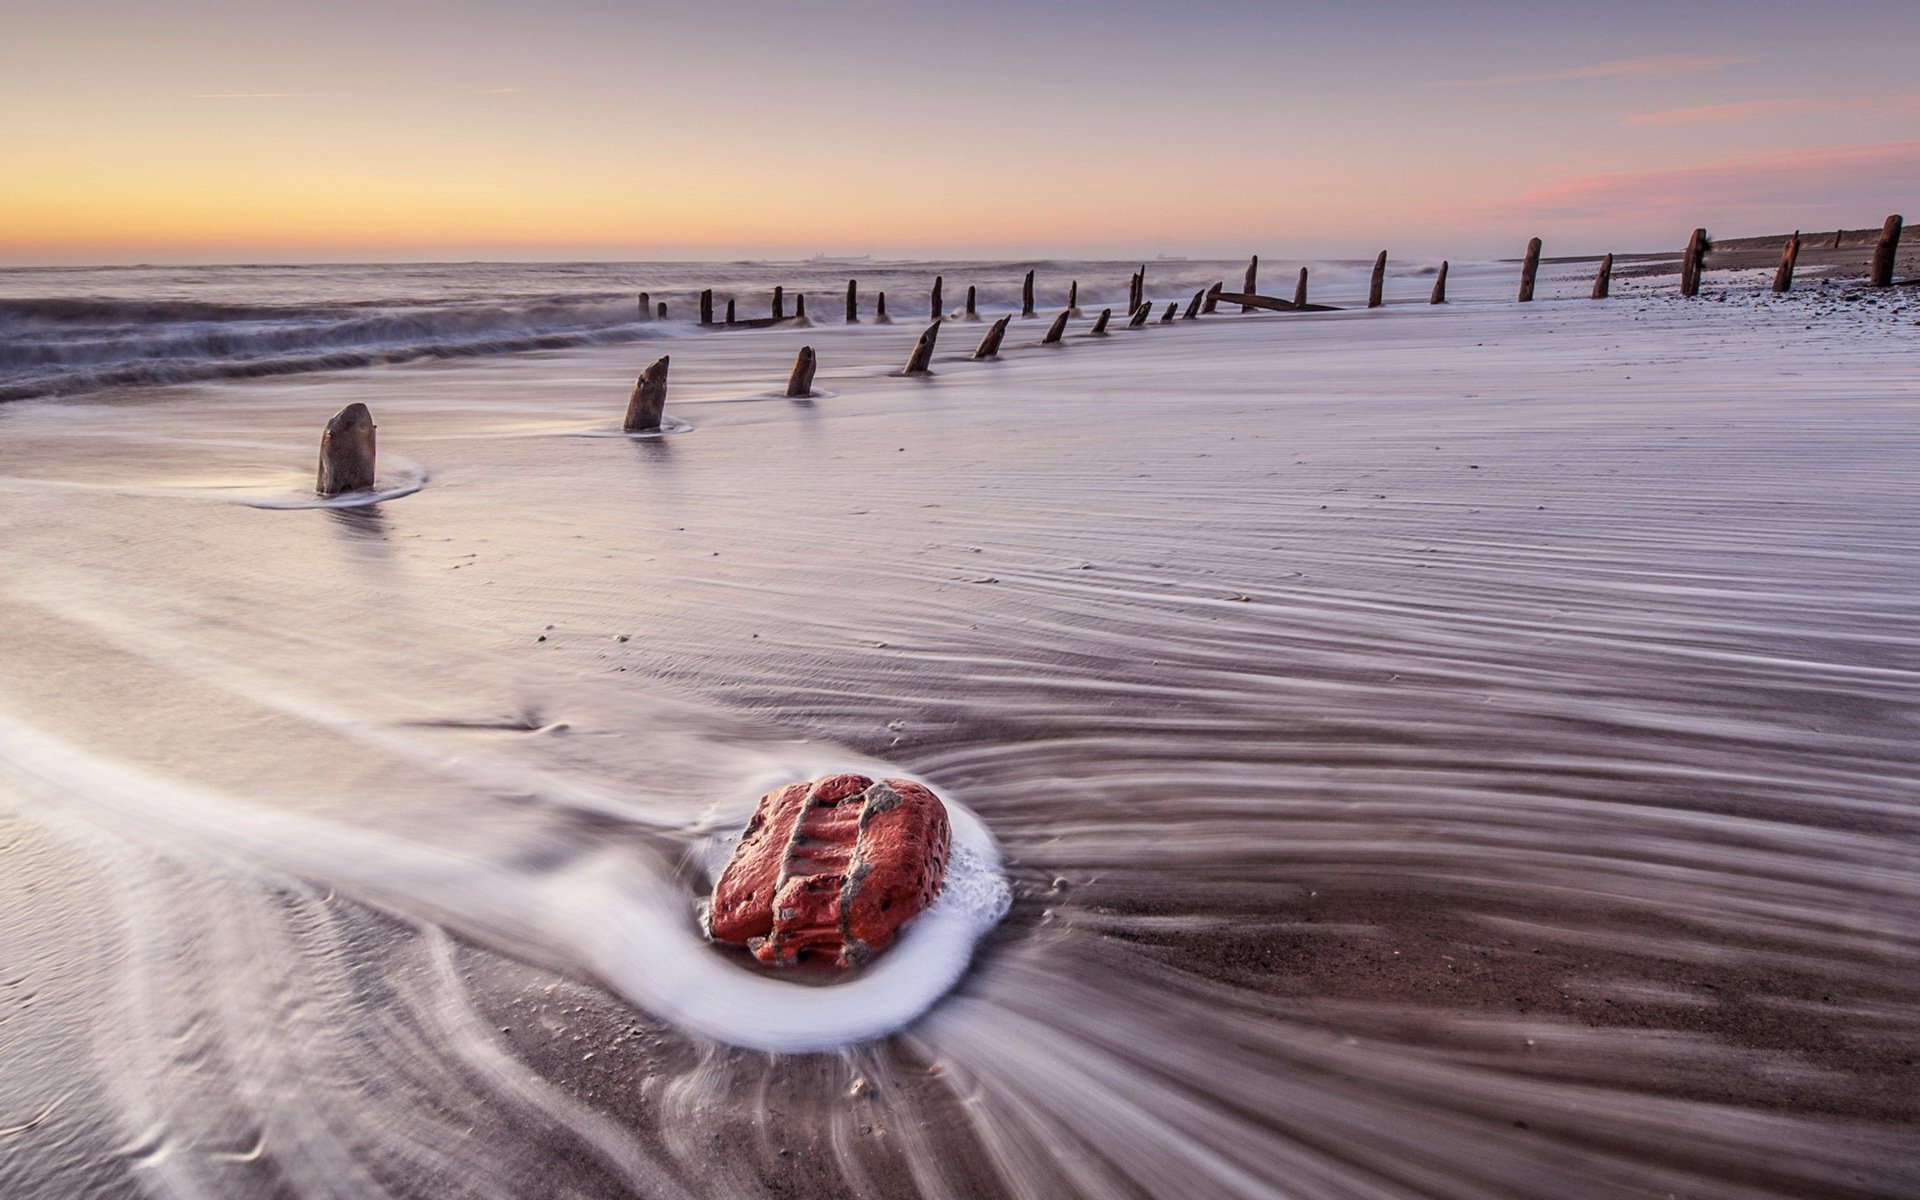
<point x="828" y="871"/>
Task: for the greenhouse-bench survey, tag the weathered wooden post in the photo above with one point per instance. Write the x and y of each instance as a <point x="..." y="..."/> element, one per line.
<point x="729" y="311"/>
<point x="1212" y="301"/>
<point x="1140" y="316"/>
<point x="1056" y="330"/>
<point x="1440" y="285"/>
<point x="1603" y="278"/>
<point x="779" y="303"/>
<point x="1026" y="296"/>
<point x="646" y="307"/>
<point x="1100" y="323"/>
<point x="1529" y="268"/>
<point x="918" y="363"/>
<point x="853" y="301"/>
<point x="1377" y="287"/>
<point x="706" y="307"/>
<point x="1789" y="255"/>
<point x="990" y="344"/>
<point x="800" y="309"/>
<point x="1193" y="305"/>
<point x="1300" y="290"/>
<point x="663" y="310"/>
<point x="880" y="316"/>
<point x="1691" y="265"/>
<point x="1073" y="297"/>
<point x="1885" y="252"/>
<point x="800" y="383"/>
<point x="1836" y="239"/>
<point x="1173" y="310"/>
<point x="935" y="305"/>
<point x="973" y="314"/>
<point x="1253" y="269"/>
<point x="649" y="400"/>
<point x="346" y="452"/>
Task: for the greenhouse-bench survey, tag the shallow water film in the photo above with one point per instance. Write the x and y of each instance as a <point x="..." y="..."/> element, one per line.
<point x="1458" y="751"/>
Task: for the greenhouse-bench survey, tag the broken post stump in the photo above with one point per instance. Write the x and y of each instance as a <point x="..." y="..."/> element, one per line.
<point x="853" y="301"/>
<point x="646" y="307"/>
<point x="1789" y="255"/>
<point x="1212" y="301"/>
<point x="919" y="362"/>
<point x="880" y="316"/>
<point x="1100" y="323"/>
<point x="1440" y="285"/>
<point x="1193" y="305"/>
<point x="973" y="314"/>
<point x="1140" y="316"/>
<point x="1253" y="269"/>
<point x="990" y="345"/>
<point x="1692" y="264"/>
<point x="1885" y="252"/>
<point x="1057" y="329"/>
<point x="1529" y="268"/>
<point x="706" y="307"/>
<point x="1603" y="278"/>
<point x="800" y="383"/>
<point x="1073" y="297"/>
<point x="779" y="303"/>
<point x="1377" y="287"/>
<point x="935" y="307"/>
<point x="1173" y="310"/>
<point x="346" y="452"/>
<point x="649" y="400"/>
<point x="1300" y="290"/>
<point x="1026" y="296"/>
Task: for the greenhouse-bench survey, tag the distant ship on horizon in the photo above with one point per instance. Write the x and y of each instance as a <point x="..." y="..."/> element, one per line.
<point x="835" y="259"/>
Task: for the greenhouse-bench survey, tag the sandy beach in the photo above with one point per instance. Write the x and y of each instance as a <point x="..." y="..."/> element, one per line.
<point x="1442" y="751"/>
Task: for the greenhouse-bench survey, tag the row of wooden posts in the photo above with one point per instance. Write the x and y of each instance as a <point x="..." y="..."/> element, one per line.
<point x="347" y="444"/>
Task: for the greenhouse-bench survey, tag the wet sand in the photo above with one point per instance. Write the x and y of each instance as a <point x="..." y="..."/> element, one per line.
<point x="1435" y="752"/>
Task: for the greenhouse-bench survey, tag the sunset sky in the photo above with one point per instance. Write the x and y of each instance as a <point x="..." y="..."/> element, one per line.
<point x="169" y="131"/>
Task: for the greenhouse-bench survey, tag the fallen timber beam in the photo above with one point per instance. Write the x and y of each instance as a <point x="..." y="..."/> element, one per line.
<point x="1271" y="303"/>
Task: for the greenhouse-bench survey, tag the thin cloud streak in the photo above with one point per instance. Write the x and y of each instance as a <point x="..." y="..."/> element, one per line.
<point x="1660" y="66"/>
<point x="1753" y="110"/>
<point x="247" y="95"/>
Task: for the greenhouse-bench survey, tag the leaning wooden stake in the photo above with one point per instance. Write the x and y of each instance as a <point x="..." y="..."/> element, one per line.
<point x="346" y="452"/>
<point x="1789" y="255"/>
<point x="1100" y="323"/>
<point x="649" y="400"/>
<point x="990" y="344"/>
<point x="1440" y="285"/>
<point x="1300" y="290"/>
<point x="800" y="383"/>
<point x="1026" y="296"/>
<point x="1885" y="252"/>
<point x="973" y="314"/>
<point x="935" y="307"/>
<point x="919" y="362"/>
<point x="1836" y="239"/>
<point x="1140" y="316"/>
<point x="1173" y="310"/>
<point x="1529" y="268"/>
<point x="779" y="303"/>
<point x="1377" y="287"/>
<point x="1193" y="305"/>
<point x="880" y="316"/>
<point x="1691" y="265"/>
<point x="853" y="301"/>
<point x="1212" y="301"/>
<point x="646" y="307"/>
<point x="1058" y="329"/>
<point x="706" y="307"/>
<point x="1603" y="279"/>
<point x="1253" y="269"/>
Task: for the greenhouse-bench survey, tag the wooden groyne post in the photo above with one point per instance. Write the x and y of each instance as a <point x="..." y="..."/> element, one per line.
<point x="663" y="310"/>
<point x="1100" y="323"/>
<point x="1212" y="301"/>
<point x="1140" y="316"/>
<point x="779" y="303"/>
<point x="1440" y="285"/>
<point x="1603" y="278"/>
<point x="800" y="309"/>
<point x="1377" y="288"/>
<point x="973" y="314"/>
<point x="648" y="403"/>
<point x="990" y="345"/>
<point x="1058" y="329"/>
<point x="729" y="311"/>
<point x="1693" y="265"/>
<point x="1253" y="271"/>
<point x="706" y="307"/>
<point x="1026" y="296"/>
<point x="1300" y="290"/>
<point x="1193" y="305"/>
<point x="1173" y="310"/>
<point x="853" y="301"/>
<point x="1529" y="268"/>
<point x="646" y="307"/>
<point x="1073" y="297"/>
<point x="800" y="383"/>
<point x="880" y="316"/>
<point x="346" y="452"/>
<point x="1885" y="252"/>
<point x="935" y="306"/>
<point x="920" y="361"/>
<point x="1789" y="255"/>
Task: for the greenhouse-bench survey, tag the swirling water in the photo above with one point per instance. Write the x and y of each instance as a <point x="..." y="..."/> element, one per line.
<point x="1433" y="752"/>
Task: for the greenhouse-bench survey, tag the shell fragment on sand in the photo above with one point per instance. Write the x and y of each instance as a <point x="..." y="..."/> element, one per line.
<point x="828" y="871"/>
